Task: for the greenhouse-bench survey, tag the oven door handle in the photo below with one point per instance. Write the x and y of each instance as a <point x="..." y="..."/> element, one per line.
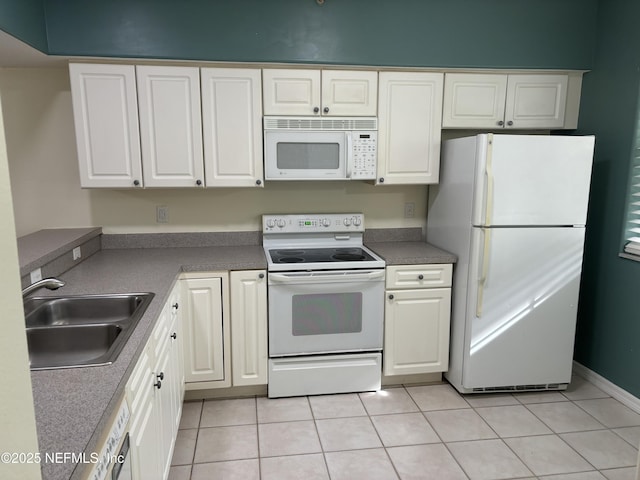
<point x="325" y="277"/>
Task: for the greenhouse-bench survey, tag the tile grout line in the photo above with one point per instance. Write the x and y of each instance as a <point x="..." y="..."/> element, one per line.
<point x="315" y="425"/>
<point x="255" y="403"/>
<point x="444" y="444"/>
<point x="553" y="432"/>
<point x="384" y="447"/>
<point x="557" y="434"/>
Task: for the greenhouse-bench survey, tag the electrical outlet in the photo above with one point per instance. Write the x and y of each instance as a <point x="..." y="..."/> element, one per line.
<point x="36" y="275"/>
<point x="409" y="210"/>
<point x="77" y="253"/>
<point x="162" y="214"/>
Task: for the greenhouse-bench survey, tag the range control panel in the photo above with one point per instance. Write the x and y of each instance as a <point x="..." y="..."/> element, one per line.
<point x="314" y="223"/>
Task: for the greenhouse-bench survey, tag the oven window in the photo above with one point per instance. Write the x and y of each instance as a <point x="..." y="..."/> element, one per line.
<point x="327" y="313"/>
<point x="308" y="156"/>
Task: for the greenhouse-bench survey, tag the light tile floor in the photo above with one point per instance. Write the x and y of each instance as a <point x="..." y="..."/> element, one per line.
<point x="417" y="432"/>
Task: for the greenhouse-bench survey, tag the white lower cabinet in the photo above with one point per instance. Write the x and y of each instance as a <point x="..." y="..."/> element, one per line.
<point x="205" y="331"/>
<point x="417" y="316"/>
<point x="249" y="327"/>
<point x="155" y="391"/>
<point x="145" y="428"/>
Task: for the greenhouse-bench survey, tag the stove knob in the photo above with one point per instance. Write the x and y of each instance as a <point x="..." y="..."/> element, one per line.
<point x="271" y="223"/>
<point x="347" y="222"/>
<point x="326" y="222"/>
<point x="281" y="223"/>
<point x="357" y="221"/>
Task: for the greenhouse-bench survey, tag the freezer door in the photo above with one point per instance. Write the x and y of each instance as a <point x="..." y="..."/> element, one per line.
<point x="522" y="304"/>
<point x="532" y="180"/>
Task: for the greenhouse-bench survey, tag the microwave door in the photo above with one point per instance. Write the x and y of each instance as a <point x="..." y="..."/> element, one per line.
<point x="304" y="155"/>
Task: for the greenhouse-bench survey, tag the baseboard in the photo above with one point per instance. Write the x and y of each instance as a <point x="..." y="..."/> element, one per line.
<point x="608" y="387"/>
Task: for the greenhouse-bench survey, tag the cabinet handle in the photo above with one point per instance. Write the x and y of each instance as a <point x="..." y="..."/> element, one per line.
<point x="326" y="110"/>
<point x="261" y="275"/>
<point x="258" y="182"/>
<point x="136" y="183"/>
<point x="158" y="384"/>
<point x="420" y="277"/>
<point x="381" y="180"/>
<point x="391" y="296"/>
<point x="160" y="376"/>
<point x="316" y="109"/>
<point x="500" y="123"/>
<point x="175" y="306"/>
<point x="510" y="123"/>
<point x="174" y="335"/>
<point x="198" y="182"/>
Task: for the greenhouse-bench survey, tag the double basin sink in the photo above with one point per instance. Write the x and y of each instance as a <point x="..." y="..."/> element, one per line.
<point x="81" y="331"/>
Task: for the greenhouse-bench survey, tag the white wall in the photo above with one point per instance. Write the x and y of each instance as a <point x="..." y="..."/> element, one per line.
<point x="45" y="182"/>
<point x="17" y="416"/>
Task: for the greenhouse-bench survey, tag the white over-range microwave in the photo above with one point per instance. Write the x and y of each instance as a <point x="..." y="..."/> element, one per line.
<point x="327" y="148"/>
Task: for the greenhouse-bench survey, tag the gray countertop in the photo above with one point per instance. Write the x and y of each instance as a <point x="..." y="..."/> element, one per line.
<point x="410" y="253"/>
<point x="73" y="405"/>
<point x="38" y="248"/>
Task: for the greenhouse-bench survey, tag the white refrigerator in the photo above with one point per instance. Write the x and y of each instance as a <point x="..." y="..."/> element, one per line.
<point x="513" y="209"/>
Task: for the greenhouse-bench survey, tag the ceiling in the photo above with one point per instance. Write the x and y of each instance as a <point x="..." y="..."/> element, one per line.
<point x="15" y="53"/>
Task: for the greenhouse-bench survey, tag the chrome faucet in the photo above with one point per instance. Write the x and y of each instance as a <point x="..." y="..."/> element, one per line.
<point x="50" y="283"/>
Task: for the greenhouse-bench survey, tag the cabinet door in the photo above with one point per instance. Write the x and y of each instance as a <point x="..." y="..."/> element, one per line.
<point x="291" y="92"/>
<point x="249" y="327"/>
<point x="176" y="334"/>
<point x="416" y="332"/>
<point x="105" y="112"/>
<point x="536" y="101"/>
<point x="202" y="330"/>
<point x="170" y="126"/>
<point x="474" y="100"/>
<point x="232" y="124"/>
<point x="349" y="93"/>
<point x="409" y="124"/>
<point x="165" y="377"/>
<point x="145" y="428"/>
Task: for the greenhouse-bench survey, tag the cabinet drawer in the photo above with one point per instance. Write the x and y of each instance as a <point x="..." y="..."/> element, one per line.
<point x="419" y="276"/>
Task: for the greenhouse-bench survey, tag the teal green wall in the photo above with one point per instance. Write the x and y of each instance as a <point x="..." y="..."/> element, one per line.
<point x="608" y="336"/>
<point x="451" y="33"/>
<point x="25" y="20"/>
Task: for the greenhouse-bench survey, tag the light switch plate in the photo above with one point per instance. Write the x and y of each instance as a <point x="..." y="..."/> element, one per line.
<point x="77" y="253"/>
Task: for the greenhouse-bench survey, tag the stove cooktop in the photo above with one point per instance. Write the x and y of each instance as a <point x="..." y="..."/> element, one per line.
<point x="319" y="255"/>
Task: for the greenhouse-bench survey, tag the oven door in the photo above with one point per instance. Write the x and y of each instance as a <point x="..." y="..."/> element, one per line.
<point x="325" y="312"/>
<point x="305" y="155"/>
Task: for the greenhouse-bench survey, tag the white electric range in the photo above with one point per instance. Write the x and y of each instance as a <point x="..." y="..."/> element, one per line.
<point x="326" y="305"/>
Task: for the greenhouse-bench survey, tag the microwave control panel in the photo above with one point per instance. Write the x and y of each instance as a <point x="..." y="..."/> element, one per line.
<point x="364" y="155"/>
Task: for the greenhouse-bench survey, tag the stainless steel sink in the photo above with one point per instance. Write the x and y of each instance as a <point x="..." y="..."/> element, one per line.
<point x="80" y="331"/>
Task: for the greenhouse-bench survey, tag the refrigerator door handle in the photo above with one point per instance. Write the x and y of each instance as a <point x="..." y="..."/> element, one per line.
<point x="484" y="270"/>
<point x="488" y="209"/>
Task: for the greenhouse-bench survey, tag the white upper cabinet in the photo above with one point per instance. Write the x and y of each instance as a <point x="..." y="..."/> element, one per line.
<point x="536" y="101"/>
<point x="170" y="126"/>
<point x="518" y="101"/>
<point x="315" y="92"/>
<point x="291" y="92"/>
<point x="105" y="111"/>
<point x="349" y="93"/>
<point x="409" y="124"/>
<point x="232" y="127"/>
